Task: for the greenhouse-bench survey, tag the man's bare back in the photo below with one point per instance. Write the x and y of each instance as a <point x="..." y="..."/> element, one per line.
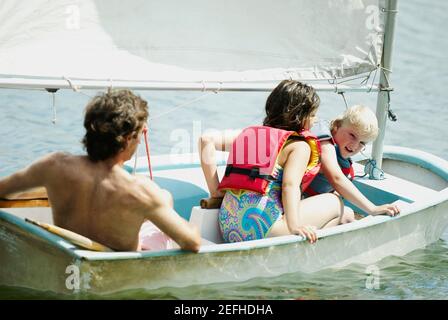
<point x="99" y="202"/>
<point x="103" y="202"/>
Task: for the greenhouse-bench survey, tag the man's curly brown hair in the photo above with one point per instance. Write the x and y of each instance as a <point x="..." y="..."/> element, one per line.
<point x="290" y="105"/>
<point x="110" y="118"/>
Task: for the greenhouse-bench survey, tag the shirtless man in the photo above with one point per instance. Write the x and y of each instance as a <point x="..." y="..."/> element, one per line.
<point x="93" y="195"/>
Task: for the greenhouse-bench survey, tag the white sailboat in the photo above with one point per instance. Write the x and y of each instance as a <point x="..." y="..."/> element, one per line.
<point x="335" y="45"/>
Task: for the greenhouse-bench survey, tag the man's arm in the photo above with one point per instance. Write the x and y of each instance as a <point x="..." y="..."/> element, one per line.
<point x="32" y="176"/>
<point x="158" y="208"/>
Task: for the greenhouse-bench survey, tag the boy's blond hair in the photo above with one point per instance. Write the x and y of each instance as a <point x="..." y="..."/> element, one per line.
<point x="360" y="118"/>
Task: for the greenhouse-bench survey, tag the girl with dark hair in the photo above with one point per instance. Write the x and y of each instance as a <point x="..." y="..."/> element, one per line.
<point x="269" y="167"/>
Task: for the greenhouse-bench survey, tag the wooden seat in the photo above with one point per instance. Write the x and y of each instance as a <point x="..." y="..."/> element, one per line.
<point x="36" y="197"/>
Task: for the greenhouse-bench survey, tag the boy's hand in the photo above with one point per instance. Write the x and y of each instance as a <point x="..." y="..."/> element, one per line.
<point x="308" y="232"/>
<point x="389" y="209"/>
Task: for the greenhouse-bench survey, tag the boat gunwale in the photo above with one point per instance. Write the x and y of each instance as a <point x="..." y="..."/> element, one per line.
<point x="50" y="238"/>
<point x="75" y="252"/>
<point x="269" y="242"/>
<point x="415" y="158"/>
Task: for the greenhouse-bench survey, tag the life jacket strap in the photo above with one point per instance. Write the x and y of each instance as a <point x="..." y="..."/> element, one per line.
<point x="294" y="137"/>
<point x="252" y="173"/>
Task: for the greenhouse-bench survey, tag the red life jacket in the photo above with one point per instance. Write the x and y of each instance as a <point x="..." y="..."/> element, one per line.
<point x="349" y="172"/>
<point x="254" y="153"/>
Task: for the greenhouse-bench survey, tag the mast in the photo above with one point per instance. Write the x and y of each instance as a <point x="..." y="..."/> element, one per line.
<point x="383" y="100"/>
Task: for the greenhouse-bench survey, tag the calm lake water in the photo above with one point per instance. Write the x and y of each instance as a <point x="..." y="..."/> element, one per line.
<point x="420" y="79"/>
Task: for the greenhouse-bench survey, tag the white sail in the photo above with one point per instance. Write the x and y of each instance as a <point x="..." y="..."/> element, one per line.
<point x="194" y="41"/>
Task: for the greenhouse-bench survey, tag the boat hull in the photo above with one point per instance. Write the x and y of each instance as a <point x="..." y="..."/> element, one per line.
<point x="33" y="258"/>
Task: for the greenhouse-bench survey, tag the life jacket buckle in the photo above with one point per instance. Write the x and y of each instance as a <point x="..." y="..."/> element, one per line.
<point x="228" y="170"/>
<point x="254" y="173"/>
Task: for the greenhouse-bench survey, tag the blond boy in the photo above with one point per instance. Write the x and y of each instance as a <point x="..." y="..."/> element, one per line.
<point x="346" y="136"/>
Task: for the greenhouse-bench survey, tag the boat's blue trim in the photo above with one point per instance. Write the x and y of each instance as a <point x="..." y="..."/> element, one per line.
<point x="413" y="208"/>
<point x="162" y="167"/>
<point x="269" y="242"/>
<point x="227" y="247"/>
<point x="50" y="238"/>
<point x="185" y="194"/>
<point x="234" y="247"/>
<point x="422" y="159"/>
<point x="375" y="195"/>
<point x="411" y="156"/>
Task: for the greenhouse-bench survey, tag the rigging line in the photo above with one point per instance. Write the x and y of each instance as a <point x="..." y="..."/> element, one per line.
<point x="70" y="83"/>
<point x="148" y="154"/>
<point x="366" y="79"/>
<point x="135" y="160"/>
<point x="390" y="113"/>
<point x="356" y="78"/>
<point x="333" y="82"/>
<point x="343" y="97"/>
<point x="184" y="104"/>
<point x="373" y="80"/>
<point x="53" y="91"/>
<point x="54" y="108"/>
<point x="76" y="88"/>
<point x="386" y="76"/>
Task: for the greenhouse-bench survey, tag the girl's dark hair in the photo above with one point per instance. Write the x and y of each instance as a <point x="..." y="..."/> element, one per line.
<point x="290" y="105"/>
<point x="109" y="119"/>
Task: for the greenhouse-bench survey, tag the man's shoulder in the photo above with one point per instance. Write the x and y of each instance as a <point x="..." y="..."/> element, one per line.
<point x="145" y="182"/>
<point x="151" y="194"/>
<point x="59" y="155"/>
<point x="53" y="158"/>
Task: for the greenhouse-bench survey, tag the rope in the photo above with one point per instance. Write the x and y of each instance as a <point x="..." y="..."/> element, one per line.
<point x="53" y="97"/>
<point x="343" y="97"/>
<point x="70" y="83"/>
<point x="390" y="113"/>
<point x="372" y="171"/>
<point x="76" y="88"/>
<point x="373" y="80"/>
<point x="54" y="108"/>
<point x="366" y="79"/>
<point x="135" y="160"/>
<point x="145" y="134"/>
<point x="334" y="82"/>
<point x="184" y="104"/>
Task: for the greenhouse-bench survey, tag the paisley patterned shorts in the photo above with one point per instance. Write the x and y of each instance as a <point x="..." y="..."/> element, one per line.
<point x="247" y="215"/>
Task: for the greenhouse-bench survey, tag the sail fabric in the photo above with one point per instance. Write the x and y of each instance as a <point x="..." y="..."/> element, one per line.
<point x="190" y="41"/>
